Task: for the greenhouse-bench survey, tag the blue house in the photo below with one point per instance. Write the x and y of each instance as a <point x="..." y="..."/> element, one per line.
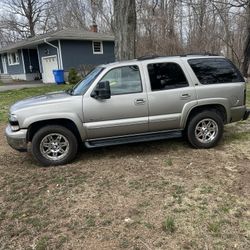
<point x="38" y="56"/>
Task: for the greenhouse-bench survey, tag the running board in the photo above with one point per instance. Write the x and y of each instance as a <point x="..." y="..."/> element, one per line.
<point x="133" y="139"/>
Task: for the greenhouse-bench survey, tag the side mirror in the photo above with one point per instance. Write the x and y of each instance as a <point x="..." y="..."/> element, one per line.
<point x="102" y="90"/>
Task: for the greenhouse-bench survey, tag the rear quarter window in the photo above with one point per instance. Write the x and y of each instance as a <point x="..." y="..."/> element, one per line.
<point x="215" y="71"/>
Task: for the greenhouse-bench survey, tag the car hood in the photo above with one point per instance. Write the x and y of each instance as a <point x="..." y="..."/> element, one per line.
<point x="52" y="97"/>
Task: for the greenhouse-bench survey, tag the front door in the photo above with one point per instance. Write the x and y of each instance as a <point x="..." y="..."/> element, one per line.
<point x="49" y="63"/>
<point x="170" y="92"/>
<point x="4" y="65"/>
<point x="126" y="112"/>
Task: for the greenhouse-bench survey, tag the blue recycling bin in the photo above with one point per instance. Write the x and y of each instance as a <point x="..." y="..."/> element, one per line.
<point x="59" y="76"/>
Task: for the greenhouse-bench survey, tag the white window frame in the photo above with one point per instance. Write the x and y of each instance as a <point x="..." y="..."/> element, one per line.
<point x="101" y="47"/>
<point x="10" y="58"/>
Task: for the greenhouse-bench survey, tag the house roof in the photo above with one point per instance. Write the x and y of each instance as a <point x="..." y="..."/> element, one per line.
<point x="67" y="34"/>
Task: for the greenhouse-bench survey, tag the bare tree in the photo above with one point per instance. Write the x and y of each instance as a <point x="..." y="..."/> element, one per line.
<point x="24" y="15"/>
<point x="246" y="60"/>
<point x="125" y="28"/>
<point x="164" y="27"/>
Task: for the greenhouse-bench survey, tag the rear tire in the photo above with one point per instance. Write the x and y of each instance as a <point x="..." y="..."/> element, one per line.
<point x="54" y="145"/>
<point x="205" y="129"/>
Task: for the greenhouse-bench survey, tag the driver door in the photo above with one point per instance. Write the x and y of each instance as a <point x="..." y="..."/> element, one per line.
<point x="126" y="112"/>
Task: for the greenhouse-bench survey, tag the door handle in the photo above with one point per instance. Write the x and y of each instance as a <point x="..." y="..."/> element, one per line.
<point x="185" y="96"/>
<point x="140" y="101"/>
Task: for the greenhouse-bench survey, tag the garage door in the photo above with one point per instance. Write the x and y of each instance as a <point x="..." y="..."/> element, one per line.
<point x="49" y="64"/>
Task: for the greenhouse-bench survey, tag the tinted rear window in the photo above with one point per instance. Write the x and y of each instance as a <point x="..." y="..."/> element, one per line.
<point x="166" y="76"/>
<point x="215" y="70"/>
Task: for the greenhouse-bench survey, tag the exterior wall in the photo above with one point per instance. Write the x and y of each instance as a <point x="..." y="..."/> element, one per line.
<point x="30" y="58"/>
<point x="1" y="65"/>
<point x="46" y="50"/>
<point x="18" y="68"/>
<point x="76" y="53"/>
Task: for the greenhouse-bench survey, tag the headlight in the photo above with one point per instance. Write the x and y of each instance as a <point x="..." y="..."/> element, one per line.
<point x="14" y="125"/>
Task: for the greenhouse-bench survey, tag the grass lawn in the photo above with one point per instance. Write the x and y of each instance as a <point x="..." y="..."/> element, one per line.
<point x="9" y="97"/>
<point x="157" y="195"/>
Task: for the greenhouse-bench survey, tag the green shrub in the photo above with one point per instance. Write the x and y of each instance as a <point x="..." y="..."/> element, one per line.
<point x="73" y="76"/>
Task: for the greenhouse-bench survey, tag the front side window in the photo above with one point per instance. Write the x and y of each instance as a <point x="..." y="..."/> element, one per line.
<point x="124" y="80"/>
<point x="165" y="76"/>
<point x="83" y="85"/>
<point x="13" y="58"/>
<point x="215" y="70"/>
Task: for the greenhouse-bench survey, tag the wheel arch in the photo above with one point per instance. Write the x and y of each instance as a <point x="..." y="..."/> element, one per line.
<point x="219" y="108"/>
<point x="65" y="122"/>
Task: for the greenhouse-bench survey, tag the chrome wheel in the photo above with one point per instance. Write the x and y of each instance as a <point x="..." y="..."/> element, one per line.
<point x="54" y="146"/>
<point x="206" y="130"/>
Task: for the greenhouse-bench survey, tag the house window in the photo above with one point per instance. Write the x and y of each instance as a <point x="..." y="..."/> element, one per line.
<point x="13" y="58"/>
<point x="97" y="47"/>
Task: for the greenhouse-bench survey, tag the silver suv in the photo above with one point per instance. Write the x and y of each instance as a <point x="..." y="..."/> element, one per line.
<point x="133" y="101"/>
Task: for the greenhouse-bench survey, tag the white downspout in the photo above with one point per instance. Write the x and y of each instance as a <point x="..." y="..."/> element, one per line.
<point x="58" y="52"/>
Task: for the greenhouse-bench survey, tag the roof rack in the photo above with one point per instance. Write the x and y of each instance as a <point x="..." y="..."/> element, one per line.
<point x="199" y="54"/>
<point x="148" y="57"/>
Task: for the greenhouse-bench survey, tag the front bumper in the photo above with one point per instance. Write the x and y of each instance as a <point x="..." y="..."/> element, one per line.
<point x="17" y="140"/>
<point x="246" y="115"/>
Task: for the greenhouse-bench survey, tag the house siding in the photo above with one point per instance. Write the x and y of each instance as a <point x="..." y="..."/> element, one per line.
<point x="46" y="50"/>
<point x="1" y="65"/>
<point x="18" y="68"/>
<point x="76" y="53"/>
<point x="30" y="58"/>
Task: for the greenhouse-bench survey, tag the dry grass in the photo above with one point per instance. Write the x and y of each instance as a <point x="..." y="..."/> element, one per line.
<point x="120" y="197"/>
<point x="158" y="195"/>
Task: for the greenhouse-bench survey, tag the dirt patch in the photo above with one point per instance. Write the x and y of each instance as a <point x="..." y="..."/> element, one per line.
<point x="158" y="195"/>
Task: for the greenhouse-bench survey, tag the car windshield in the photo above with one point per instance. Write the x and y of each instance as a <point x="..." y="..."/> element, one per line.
<point x="84" y="84"/>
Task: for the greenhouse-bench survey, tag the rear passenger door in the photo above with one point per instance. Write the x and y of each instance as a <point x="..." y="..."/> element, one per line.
<point x="169" y="90"/>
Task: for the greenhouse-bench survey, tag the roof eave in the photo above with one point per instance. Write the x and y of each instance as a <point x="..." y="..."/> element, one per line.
<point x="49" y="39"/>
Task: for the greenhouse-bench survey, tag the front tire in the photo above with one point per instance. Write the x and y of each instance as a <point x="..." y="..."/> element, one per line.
<point x="205" y="129"/>
<point x="54" y="145"/>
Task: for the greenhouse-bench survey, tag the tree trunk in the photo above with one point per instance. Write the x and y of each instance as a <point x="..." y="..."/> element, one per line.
<point x="246" y="60"/>
<point x="125" y="29"/>
<point x="29" y="14"/>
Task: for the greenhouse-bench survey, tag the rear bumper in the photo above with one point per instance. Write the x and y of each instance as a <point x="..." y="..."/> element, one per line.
<point x="239" y="113"/>
<point x="246" y="115"/>
<point x="17" y="140"/>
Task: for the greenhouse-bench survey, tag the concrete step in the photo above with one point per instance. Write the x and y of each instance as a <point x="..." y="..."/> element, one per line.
<point x="5" y="77"/>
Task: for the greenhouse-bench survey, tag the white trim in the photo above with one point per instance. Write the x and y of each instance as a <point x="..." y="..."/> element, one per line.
<point x="60" y="54"/>
<point x="39" y="62"/>
<point x="24" y="70"/>
<point x="101" y="48"/>
<point x="4" y="63"/>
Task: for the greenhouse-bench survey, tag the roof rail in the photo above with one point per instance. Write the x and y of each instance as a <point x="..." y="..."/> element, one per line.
<point x="146" y="57"/>
<point x="199" y="54"/>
